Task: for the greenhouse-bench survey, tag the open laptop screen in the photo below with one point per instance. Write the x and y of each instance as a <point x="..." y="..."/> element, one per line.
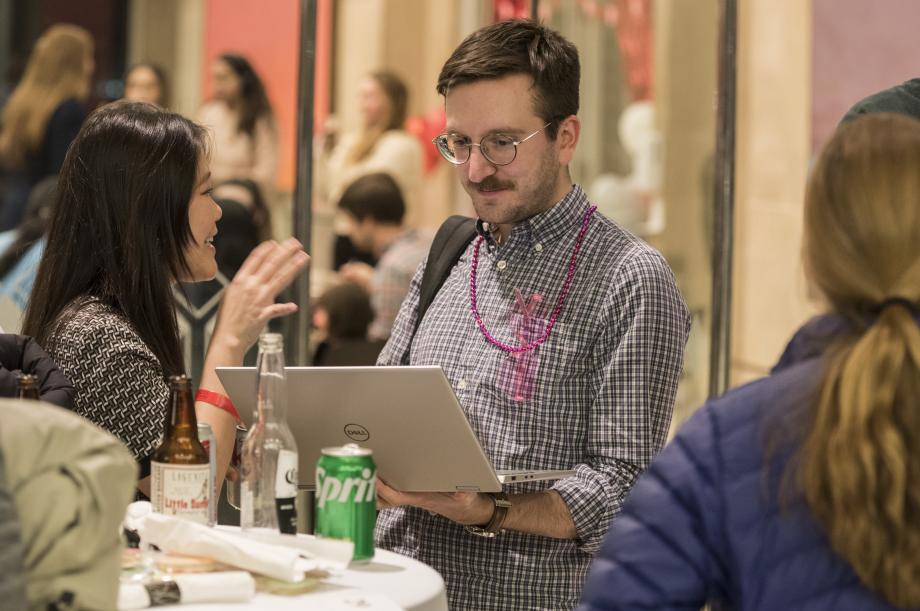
<point x="408" y="416"/>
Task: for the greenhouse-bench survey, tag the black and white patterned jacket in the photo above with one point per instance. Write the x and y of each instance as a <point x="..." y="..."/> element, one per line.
<point x="119" y="381"/>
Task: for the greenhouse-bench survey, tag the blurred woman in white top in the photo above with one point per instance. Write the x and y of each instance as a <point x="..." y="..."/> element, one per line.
<point x="242" y="125"/>
<point x="381" y="144"/>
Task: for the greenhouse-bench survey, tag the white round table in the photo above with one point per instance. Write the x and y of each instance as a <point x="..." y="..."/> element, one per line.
<point x="388" y="582"/>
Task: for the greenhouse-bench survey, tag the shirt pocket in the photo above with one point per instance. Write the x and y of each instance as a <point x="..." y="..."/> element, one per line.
<point x="562" y="365"/>
<point x="529" y="406"/>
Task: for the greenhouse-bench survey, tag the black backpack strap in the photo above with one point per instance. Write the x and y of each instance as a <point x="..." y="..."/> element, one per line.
<point x="449" y="243"/>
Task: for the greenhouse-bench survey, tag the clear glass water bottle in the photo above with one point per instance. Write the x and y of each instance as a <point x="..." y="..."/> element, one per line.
<point x="269" y="455"/>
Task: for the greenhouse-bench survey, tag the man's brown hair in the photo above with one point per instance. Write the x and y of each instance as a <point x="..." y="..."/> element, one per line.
<point x="377" y="196"/>
<point x="520" y="47"/>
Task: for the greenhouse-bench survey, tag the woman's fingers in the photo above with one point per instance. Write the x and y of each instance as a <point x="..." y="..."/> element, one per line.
<point x="256" y="258"/>
<point x="288" y="271"/>
<point x="277" y="310"/>
<point x="249" y="301"/>
<point x="276" y="259"/>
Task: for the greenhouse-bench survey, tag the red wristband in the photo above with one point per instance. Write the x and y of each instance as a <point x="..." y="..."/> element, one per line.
<point x="219" y="401"/>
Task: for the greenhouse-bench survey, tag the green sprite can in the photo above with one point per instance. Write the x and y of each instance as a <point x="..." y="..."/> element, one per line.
<point x="346" y="497"/>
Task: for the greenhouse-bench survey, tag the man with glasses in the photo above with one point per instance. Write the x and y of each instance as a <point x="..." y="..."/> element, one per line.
<point x="561" y="334"/>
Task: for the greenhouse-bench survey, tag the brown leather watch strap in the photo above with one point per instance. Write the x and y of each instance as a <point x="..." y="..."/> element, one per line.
<point x="499" y="515"/>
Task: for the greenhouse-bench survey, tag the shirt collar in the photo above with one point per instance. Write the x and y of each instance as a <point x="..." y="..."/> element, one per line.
<point x="548" y="226"/>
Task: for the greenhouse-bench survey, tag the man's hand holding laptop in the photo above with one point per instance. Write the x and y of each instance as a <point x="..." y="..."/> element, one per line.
<point x="461" y="507"/>
<point x="538" y="513"/>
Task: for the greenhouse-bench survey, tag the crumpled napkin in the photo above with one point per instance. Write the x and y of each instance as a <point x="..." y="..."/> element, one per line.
<point x="282" y="557"/>
<point x="227" y="587"/>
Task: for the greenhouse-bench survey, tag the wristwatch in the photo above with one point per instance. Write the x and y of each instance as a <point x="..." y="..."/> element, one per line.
<point x="494" y="526"/>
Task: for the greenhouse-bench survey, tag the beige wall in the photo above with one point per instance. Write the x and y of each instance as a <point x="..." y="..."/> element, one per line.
<point x="773" y="152"/>
<point x="358" y="49"/>
<point x="686" y="36"/>
<point x="170" y="33"/>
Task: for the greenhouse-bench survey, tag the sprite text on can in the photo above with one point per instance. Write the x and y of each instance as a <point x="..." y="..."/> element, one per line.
<point x="346" y="497"/>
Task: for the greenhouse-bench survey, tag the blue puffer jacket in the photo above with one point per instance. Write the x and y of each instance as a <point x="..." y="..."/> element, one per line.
<point x="703" y="524"/>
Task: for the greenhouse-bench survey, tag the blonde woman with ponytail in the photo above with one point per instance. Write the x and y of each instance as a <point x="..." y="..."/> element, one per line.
<point x="802" y="490"/>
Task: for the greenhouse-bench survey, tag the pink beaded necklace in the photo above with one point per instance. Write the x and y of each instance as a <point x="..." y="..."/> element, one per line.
<point x="556" y="311"/>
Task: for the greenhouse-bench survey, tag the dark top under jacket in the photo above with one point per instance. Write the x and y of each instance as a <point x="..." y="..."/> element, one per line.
<point x="21" y="354"/>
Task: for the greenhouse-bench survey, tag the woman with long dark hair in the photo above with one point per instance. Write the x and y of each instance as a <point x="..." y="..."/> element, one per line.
<point x="133" y="216"/>
<point x="802" y="490"/>
<point x="240" y="118"/>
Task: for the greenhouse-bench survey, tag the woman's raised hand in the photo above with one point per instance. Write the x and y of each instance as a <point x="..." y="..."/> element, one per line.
<point x="249" y="300"/>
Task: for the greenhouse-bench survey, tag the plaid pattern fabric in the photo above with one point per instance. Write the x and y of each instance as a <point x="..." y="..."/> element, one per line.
<point x="598" y="395"/>
<point x="392" y="277"/>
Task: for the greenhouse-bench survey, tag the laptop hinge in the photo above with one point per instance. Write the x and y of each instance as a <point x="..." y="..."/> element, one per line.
<point x="467" y="488"/>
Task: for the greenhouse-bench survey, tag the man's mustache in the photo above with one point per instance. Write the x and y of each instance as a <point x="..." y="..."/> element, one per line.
<point x="490" y="183"/>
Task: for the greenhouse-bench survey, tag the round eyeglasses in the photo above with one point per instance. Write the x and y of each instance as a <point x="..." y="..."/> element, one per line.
<point x="498" y="149"/>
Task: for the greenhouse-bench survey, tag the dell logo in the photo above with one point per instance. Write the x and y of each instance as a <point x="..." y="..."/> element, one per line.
<point x="357" y="432"/>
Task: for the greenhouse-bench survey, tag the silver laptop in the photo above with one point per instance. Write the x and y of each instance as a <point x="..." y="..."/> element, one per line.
<point x="408" y="416"/>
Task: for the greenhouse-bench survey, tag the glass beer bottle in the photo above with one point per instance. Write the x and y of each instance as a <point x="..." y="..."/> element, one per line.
<point x="28" y="387"/>
<point x="269" y="455"/>
<point x="179" y="468"/>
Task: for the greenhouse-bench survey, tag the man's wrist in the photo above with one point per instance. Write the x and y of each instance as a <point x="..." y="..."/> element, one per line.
<point x="484" y="511"/>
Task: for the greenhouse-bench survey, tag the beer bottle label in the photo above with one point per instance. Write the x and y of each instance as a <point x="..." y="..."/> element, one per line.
<point x="181" y="490"/>
<point x="286" y="491"/>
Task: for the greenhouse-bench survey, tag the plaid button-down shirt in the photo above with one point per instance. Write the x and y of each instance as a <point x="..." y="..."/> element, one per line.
<point x="596" y="397"/>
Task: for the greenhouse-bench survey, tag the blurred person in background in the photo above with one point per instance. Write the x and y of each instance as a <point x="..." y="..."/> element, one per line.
<point x="43" y="115"/>
<point x="133" y="217"/>
<point x="341" y="317"/>
<point x="146" y="82"/>
<point x="375" y="208"/>
<point x="249" y="196"/>
<point x="240" y="119"/>
<point x="21" y="251"/>
<point x="380" y="144"/>
<point x="802" y="490"/>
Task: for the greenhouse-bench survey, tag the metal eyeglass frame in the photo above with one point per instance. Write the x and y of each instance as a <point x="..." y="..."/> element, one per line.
<point x="516" y="143"/>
